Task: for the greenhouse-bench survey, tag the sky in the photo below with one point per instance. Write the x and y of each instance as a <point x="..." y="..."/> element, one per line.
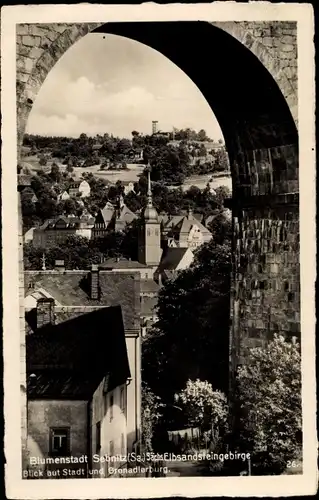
<point x="111" y="84"/>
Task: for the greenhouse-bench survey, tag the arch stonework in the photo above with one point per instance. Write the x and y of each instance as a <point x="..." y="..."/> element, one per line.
<point x="40" y="46"/>
<point x="265" y="275"/>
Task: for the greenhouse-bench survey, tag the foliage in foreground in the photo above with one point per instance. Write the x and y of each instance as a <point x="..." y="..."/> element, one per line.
<point x="269" y="396"/>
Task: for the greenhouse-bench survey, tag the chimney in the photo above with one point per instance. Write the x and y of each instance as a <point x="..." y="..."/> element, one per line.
<point x="59" y="265"/>
<point x="45" y="312"/>
<point x="95" y="285"/>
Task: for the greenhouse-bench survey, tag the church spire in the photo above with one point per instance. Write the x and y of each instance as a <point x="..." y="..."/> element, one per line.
<point x="149" y="189"/>
<point x="150" y="213"/>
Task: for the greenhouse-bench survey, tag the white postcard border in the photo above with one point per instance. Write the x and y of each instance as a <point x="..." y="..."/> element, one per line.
<point x="136" y="487"/>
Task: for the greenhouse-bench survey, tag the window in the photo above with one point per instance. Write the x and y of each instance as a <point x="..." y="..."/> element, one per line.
<point x="122" y="399"/>
<point x="111" y="407"/>
<point x="98" y="436"/>
<point x="60" y="441"/>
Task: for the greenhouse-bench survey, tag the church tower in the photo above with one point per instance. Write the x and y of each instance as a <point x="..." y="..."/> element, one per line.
<point x="149" y="242"/>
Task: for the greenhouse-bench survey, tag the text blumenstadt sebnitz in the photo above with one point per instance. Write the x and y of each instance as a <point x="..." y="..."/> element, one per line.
<point x="145" y="457"/>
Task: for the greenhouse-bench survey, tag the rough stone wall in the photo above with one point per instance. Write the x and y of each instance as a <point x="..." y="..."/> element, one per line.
<point x="266" y="281"/>
<point x="275" y="45"/>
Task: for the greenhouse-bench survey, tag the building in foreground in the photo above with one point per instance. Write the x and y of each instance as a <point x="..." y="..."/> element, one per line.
<point x="84" y="307"/>
<point x="78" y="376"/>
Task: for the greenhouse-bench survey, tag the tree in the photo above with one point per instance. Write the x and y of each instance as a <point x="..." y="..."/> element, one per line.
<point x="202" y="135"/>
<point x="76" y="251"/>
<point x="202" y="151"/>
<point x="67" y="207"/>
<point x="269" y="401"/>
<point x="221" y="194"/>
<point x="220" y="160"/>
<point x="221" y="227"/>
<point x="55" y="173"/>
<point x="151" y="414"/>
<point x="42" y="161"/>
<point x="69" y="168"/>
<point x="203" y="407"/>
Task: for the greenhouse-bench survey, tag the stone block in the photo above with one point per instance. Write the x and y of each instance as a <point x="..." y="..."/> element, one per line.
<point x="37" y="30"/>
<point x="59" y="27"/>
<point x="290" y="71"/>
<point x="28" y="40"/>
<point x="25" y="64"/>
<point x="52" y="35"/>
<point x="289" y="32"/>
<point x="268" y="41"/>
<point x="22" y="77"/>
<point x="288" y="55"/>
<point x="288" y="39"/>
<point x="22" y="50"/>
<point x="288" y="47"/>
<point x="22" y="29"/>
<point x="35" y="52"/>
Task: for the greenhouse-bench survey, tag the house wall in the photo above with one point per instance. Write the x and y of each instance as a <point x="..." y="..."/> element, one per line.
<point x="133" y="344"/>
<point x="51" y="237"/>
<point x="85" y="232"/>
<point x="84" y="189"/>
<point x="113" y="423"/>
<point x="195" y="237"/>
<point x="44" y="414"/>
<point x="28" y="236"/>
<point x="64" y="196"/>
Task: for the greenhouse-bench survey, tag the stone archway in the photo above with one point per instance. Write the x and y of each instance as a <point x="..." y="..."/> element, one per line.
<point x="40" y="46"/>
<point x="254" y="97"/>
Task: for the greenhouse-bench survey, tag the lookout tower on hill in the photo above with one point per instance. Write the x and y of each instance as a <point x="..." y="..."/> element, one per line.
<point x="154" y="127"/>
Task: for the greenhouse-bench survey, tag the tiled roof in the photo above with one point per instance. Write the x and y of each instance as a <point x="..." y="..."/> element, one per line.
<point x="109" y="212"/>
<point x="24" y="180"/>
<point x="68" y="222"/>
<point x="148" y="286"/>
<point x="75" y="184"/>
<point x="70" y="359"/>
<point x="72" y="288"/>
<point x="167" y="274"/>
<point x="126" y="214"/>
<point x="122" y="263"/>
<point x="186" y="224"/>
